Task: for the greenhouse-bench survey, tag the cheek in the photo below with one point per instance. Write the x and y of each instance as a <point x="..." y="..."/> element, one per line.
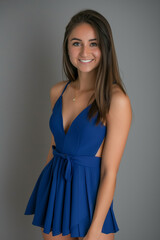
<point x="97" y="53"/>
<point x="72" y="52"/>
<point x="72" y="55"/>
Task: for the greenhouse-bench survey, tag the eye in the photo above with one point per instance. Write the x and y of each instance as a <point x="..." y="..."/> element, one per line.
<point x="74" y="44"/>
<point x="94" y="43"/>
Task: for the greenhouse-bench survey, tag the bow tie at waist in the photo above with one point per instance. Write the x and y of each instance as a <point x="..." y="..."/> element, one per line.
<point x="84" y="160"/>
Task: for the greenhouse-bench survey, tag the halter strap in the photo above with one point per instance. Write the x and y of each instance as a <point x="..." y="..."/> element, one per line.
<point x="65" y="87"/>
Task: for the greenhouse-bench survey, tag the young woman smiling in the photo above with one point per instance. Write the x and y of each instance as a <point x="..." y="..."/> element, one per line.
<point x="90" y="122"/>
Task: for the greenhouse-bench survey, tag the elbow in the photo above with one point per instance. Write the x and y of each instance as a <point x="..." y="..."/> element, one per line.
<point x="109" y="174"/>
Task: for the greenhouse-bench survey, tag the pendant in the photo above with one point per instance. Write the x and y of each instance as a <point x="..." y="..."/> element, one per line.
<point x="74" y="99"/>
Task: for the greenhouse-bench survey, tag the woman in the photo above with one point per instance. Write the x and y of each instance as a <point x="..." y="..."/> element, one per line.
<point x="90" y="122"/>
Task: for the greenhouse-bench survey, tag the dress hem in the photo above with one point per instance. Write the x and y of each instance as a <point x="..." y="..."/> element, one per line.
<point x="72" y="235"/>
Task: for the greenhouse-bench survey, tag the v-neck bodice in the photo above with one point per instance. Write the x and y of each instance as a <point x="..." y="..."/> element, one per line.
<point x="66" y="132"/>
<point x="81" y="112"/>
<point x="82" y="137"/>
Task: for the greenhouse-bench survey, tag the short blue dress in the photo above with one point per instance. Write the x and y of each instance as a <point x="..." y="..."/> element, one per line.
<point x="64" y="196"/>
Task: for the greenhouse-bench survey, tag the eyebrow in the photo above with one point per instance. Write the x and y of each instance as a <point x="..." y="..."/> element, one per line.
<point x="81" y="40"/>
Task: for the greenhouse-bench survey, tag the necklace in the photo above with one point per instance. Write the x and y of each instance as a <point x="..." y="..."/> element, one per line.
<point x="74" y="99"/>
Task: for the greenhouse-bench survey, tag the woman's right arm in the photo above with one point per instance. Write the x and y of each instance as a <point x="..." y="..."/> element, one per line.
<point x="52" y="95"/>
<point x="55" y="92"/>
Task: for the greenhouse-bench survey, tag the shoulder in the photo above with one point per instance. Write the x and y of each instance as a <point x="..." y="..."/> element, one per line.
<point x="120" y="106"/>
<point x="118" y="97"/>
<point x="56" y="90"/>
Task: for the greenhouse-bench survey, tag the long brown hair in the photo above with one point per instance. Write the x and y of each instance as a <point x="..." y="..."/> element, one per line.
<point x="108" y="70"/>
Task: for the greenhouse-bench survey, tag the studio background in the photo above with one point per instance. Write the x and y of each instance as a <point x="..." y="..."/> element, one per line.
<point x="31" y="35"/>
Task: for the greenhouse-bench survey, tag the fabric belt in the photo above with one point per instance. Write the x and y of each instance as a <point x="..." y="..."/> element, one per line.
<point x="84" y="160"/>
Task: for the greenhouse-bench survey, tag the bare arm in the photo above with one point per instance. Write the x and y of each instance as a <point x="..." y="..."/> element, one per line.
<point x="54" y="94"/>
<point x="52" y="101"/>
<point x="118" y="125"/>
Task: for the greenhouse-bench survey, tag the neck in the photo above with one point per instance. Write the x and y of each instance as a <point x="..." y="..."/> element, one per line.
<point x="85" y="81"/>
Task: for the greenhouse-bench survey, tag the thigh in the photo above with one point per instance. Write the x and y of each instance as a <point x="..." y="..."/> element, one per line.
<point x="58" y="237"/>
<point x="103" y="236"/>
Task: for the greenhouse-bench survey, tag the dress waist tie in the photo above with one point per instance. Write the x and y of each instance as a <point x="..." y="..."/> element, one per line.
<point x="83" y="160"/>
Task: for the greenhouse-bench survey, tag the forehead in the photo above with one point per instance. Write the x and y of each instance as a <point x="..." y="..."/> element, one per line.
<point x="83" y="30"/>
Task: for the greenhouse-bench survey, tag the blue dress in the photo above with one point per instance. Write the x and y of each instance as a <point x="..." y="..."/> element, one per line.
<point x="64" y="196"/>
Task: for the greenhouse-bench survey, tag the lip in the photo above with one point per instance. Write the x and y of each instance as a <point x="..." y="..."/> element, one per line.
<point x="91" y="60"/>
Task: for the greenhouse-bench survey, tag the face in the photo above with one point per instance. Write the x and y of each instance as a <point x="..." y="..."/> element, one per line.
<point x="83" y="48"/>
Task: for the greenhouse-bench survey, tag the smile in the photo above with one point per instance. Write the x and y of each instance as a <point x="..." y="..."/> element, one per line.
<point x="86" y="61"/>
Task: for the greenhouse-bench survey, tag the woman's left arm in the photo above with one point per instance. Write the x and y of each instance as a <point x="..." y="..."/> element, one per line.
<point x="118" y="124"/>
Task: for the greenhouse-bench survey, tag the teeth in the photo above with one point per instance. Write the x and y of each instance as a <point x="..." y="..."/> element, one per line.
<point x="85" y="60"/>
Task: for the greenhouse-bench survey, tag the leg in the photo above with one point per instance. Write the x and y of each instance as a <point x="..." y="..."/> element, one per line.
<point x="103" y="236"/>
<point x="109" y="236"/>
<point x="58" y="237"/>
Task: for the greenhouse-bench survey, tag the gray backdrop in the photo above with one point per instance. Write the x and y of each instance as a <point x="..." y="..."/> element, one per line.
<point x="31" y="34"/>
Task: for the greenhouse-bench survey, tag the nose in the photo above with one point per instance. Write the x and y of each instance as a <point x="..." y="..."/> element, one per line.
<point x="84" y="51"/>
